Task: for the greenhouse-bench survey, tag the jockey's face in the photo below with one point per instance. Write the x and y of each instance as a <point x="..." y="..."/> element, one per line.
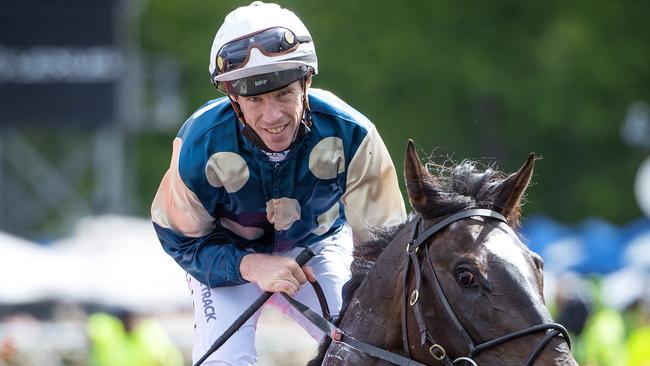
<point x="274" y="116"/>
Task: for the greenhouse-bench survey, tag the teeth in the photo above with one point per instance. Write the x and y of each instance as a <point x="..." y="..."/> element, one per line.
<point x="276" y="130"/>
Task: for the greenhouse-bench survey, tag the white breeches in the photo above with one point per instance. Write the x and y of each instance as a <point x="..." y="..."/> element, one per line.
<point x="217" y="308"/>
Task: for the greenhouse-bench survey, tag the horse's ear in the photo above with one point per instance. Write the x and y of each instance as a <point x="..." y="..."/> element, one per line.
<point x="512" y="190"/>
<point x="417" y="177"/>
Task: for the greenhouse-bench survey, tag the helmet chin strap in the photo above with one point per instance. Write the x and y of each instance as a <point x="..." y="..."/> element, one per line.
<point x="302" y="129"/>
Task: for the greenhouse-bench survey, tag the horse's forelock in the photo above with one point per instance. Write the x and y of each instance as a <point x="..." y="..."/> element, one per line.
<point x="461" y="187"/>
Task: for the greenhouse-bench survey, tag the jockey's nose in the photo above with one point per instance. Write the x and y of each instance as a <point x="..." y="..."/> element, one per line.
<point x="271" y="112"/>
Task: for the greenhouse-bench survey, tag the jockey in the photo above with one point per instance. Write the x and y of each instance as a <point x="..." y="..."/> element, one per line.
<point x="255" y="176"/>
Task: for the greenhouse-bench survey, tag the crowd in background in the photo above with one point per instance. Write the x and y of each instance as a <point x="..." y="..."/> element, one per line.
<point x="607" y="314"/>
<point x="602" y="335"/>
<point x="72" y="334"/>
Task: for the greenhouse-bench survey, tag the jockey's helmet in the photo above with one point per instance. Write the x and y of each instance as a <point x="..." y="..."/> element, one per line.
<point x="260" y="48"/>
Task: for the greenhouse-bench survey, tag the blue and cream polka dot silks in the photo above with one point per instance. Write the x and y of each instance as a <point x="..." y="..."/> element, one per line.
<point x="223" y="198"/>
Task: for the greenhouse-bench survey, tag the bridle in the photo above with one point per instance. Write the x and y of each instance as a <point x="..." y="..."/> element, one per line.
<point x="436" y="350"/>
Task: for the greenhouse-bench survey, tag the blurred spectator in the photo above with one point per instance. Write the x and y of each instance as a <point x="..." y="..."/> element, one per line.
<point x="604" y="339"/>
<point x="638" y="346"/>
<point x="573" y="300"/>
<point x="125" y="340"/>
<point x="638" y="343"/>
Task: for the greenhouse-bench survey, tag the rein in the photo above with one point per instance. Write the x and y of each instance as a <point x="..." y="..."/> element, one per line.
<point x="338" y="336"/>
<point x="301" y="259"/>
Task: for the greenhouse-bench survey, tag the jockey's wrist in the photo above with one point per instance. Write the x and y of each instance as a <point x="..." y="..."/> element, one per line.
<point x="248" y="264"/>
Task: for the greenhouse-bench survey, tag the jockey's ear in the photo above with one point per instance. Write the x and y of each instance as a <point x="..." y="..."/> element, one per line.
<point x="512" y="189"/>
<point x="418" y="179"/>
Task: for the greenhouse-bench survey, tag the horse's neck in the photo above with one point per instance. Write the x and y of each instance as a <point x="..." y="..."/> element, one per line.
<point x="374" y="313"/>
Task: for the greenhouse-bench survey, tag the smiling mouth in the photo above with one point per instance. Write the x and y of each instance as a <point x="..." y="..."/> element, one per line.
<point x="275" y="131"/>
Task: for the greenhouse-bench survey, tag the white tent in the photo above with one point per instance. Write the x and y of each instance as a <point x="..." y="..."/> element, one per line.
<point x="110" y="260"/>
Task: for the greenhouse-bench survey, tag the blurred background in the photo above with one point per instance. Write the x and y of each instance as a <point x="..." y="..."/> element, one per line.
<point x="93" y="92"/>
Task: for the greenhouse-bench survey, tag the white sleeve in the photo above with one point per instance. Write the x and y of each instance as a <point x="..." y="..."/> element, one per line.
<point x="372" y="197"/>
<point x="176" y="206"/>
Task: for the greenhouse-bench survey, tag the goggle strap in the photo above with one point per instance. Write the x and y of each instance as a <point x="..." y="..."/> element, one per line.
<point x="303" y="39"/>
<point x="237" y="108"/>
<point x="305" y="100"/>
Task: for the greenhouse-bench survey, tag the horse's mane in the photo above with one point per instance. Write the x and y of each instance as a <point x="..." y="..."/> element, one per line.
<point x="454" y="188"/>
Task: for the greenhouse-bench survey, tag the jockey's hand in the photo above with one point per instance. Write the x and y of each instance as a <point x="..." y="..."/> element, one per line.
<point x="275" y="273"/>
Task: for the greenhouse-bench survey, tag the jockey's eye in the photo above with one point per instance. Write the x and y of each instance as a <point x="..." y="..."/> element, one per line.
<point x="465" y="278"/>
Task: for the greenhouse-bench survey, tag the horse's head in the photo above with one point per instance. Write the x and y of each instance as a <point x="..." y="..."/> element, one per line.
<point x="490" y="284"/>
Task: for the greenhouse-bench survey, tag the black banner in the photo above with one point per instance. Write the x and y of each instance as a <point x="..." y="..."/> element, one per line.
<point x="60" y="62"/>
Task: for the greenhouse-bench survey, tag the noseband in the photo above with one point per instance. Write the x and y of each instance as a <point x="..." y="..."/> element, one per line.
<point x="436" y="350"/>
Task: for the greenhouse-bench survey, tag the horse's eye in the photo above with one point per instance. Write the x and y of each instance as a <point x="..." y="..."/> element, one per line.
<point x="465" y="278"/>
<point x="539" y="262"/>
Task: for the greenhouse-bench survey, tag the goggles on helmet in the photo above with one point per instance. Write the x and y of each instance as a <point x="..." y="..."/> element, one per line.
<point x="270" y="42"/>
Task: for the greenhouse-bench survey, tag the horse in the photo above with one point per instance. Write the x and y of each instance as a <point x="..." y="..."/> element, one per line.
<point x="454" y="284"/>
